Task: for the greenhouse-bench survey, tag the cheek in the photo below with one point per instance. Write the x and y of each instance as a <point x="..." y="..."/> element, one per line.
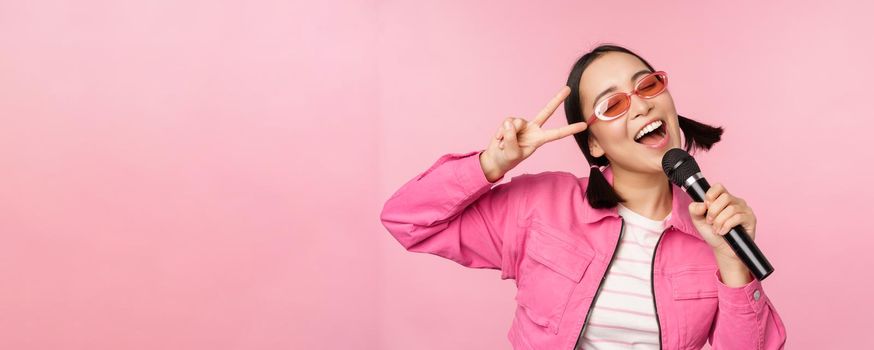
<point x="666" y="101"/>
<point x="613" y="138"/>
<point x="615" y="133"/>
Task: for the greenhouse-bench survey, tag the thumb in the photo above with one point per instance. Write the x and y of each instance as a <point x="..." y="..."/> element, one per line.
<point x="697" y="209"/>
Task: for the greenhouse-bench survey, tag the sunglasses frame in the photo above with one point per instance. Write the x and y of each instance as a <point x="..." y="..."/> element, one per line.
<point x="595" y="117"/>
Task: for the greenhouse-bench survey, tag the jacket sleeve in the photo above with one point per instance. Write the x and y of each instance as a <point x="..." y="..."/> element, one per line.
<point x="452" y="210"/>
<point x="746" y="319"/>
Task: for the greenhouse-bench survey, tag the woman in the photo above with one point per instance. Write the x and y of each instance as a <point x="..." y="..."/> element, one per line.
<point x="621" y="259"/>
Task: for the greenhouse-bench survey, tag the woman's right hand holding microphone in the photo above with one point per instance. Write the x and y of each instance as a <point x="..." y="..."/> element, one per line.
<point x="517" y="139"/>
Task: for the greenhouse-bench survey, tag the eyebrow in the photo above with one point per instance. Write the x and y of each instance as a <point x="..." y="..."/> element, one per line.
<point x="613" y="88"/>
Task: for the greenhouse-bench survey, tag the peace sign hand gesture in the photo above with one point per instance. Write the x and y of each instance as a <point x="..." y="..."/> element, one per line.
<point x="517" y="139"/>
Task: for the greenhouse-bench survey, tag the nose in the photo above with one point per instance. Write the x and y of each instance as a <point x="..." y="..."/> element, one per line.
<point x="639" y="106"/>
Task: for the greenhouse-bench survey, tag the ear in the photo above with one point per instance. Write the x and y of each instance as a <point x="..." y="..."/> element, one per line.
<point x="595" y="146"/>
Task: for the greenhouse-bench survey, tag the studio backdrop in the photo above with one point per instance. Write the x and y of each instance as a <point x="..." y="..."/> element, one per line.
<point x="210" y="175"/>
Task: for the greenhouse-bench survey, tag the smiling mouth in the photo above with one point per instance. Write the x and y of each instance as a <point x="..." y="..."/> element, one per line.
<point x="653" y="137"/>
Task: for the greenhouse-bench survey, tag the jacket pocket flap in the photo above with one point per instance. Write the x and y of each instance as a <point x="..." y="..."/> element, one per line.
<point x="694" y="282"/>
<point x="557" y="254"/>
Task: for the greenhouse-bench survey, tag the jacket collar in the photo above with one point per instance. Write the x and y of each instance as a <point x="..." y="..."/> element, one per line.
<point x="680" y="217"/>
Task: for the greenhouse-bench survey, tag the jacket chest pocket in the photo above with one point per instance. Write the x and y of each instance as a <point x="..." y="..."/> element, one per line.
<point x="548" y="273"/>
<point x="695" y="295"/>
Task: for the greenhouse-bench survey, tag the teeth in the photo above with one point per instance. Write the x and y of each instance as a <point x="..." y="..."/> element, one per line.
<point x="652" y="126"/>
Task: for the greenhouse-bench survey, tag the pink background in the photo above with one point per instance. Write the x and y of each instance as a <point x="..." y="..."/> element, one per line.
<point x="209" y="175"/>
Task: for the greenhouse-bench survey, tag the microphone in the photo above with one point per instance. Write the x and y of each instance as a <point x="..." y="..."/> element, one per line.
<point x="684" y="172"/>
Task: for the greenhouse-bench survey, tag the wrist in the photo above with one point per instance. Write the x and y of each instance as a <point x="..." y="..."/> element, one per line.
<point x="491" y="171"/>
<point x="729" y="263"/>
<point x="733" y="272"/>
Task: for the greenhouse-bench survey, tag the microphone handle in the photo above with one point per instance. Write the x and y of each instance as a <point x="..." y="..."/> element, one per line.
<point x="737" y="237"/>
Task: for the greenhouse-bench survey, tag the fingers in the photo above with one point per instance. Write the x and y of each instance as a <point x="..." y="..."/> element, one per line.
<point x="500" y="134"/>
<point x="720" y="221"/>
<point x="725" y="211"/>
<point x="509" y="141"/>
<point x="710" y="198"/>
<point x="716" y="207"/>
<point x="731" y="222"/>
<point x="714" y="191"/>
<point x="547" y="111"/>
<point x="518" y="123"/>
<point x="564" y="131"/>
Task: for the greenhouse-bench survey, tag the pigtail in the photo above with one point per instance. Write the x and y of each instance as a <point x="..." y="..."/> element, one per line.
<point x="699" y="135"/>
<point x="599" y="192"/>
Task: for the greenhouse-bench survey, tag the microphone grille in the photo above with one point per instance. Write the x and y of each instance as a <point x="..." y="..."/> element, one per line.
<point x="679" y="165"/>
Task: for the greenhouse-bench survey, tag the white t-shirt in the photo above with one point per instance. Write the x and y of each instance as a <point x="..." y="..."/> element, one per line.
<point x="624" y="313"/>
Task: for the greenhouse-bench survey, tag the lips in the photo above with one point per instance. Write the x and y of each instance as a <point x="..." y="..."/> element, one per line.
<point x="647" y="124"/>
<point x="657" y="139"/>
<point x="652" y="130"/>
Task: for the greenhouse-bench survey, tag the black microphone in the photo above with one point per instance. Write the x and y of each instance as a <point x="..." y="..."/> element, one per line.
<point x="684" y="172"/>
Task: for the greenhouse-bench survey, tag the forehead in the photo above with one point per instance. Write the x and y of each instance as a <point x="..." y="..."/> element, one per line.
<point x="611" y="69"/>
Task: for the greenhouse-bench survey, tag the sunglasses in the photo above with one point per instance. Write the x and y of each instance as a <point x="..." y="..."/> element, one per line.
<point x="614" y="106"/>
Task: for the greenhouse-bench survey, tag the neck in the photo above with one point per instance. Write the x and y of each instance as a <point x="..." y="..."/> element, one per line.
<point x="646" y="194"/>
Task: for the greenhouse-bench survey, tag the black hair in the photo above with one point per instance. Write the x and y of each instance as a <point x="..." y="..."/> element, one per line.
<point x="599" y="192"/>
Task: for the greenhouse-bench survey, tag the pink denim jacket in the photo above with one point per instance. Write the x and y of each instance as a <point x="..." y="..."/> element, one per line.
<point x="540" y="230"/>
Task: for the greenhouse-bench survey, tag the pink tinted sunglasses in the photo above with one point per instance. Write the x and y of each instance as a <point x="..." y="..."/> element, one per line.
<point x="615" y="105"/>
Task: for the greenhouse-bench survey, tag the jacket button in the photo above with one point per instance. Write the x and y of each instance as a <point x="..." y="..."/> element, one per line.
<point x="756" y="295"/>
